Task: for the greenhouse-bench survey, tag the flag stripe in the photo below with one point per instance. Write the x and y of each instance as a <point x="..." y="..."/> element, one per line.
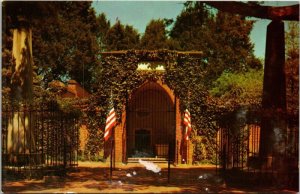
<point x="106" y="134"/>
<point x="110" y="118"/>
<point x="110" y="115"/>
<point x="187" y="123"/>
<point x="110" y="123"/>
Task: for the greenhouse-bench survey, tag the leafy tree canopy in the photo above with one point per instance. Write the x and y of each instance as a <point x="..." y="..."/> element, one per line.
<point x="155" y="36"/>
<point x="21" y="13"/>
<point x="64" y="45"/>
<point x="238" y="88"/>
<point x="120" y="37"/>
<point x="67" y="48"/>
<point x="292" y="69"/>
<point x="223" y="38"/>
<point x="102" y="27"/>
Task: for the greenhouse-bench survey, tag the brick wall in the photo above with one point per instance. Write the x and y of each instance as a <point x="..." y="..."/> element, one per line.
<point x="119" y="135"/>
<point x="178" y="155"/>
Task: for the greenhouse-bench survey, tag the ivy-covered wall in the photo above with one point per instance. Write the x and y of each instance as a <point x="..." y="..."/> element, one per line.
<point x="118" y="75"/>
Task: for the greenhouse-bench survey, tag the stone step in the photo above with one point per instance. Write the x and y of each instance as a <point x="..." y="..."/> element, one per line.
<point x="154" y="160"/>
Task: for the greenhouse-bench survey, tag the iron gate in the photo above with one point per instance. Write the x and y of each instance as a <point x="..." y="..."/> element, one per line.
<point x="150" y="123"/>
<point x="238" y="149"/>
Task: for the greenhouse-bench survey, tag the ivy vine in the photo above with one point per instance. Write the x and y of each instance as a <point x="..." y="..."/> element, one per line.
<point x="184" y="74"/>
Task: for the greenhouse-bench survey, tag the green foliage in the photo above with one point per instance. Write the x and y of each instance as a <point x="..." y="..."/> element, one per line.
<point x="234" y="49"/>
<point x="123" y="78"/>
<point x="102" y="27"/>
<point x="95" y="119"/>
<point x="223" y="38"/>
<point x="239" y="88"/>
<point x="120" y="37"/>
<point x="292" y="39"/>
<point x="69" y="106"/>
<point x="186" y="78"/>
<point x="20" y="13"/>
<point x="155" y="36"/>
<point x="191" y="26"/>
<point x="200" y="152"/>
<point x="66" y="47"/>
<point x="7" y="65"/>
<point x="184" y="74"/>
<point x="237" y="99"/>
<point x="292" y="70"/>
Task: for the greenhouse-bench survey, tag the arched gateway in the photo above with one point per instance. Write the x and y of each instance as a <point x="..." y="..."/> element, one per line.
<point x="151" y="125"/>
<point x="151" y="121"/>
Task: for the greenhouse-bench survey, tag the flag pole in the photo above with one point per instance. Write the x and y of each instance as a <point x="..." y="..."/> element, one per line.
<point x="188" y="152"/>
<point x="110" y="167"/>
<point x="111" y="147"/>
<point x="169" y="161"/>
<point x="187" y="142"/>
<point x="113" y="141"/>
<point x="114" y="150"/>
<point x="111" y="153"/>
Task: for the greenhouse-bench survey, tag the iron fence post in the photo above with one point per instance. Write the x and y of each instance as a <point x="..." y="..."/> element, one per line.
<point x="169" y="161"/>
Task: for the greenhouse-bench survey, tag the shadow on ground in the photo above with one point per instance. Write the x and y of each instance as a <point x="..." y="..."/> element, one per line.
<point x="136" y="179"/>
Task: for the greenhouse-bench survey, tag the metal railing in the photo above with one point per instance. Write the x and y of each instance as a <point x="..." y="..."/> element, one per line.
<point x="37" y="140"/>
<point x="238" y="152"/>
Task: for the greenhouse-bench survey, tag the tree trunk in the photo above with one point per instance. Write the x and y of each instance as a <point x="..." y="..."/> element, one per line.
<point x="20" y="138"/>
<point x="22" y="75"/>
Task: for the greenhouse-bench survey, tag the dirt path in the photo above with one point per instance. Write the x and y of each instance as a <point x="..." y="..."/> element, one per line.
<point x="91" y="177"/>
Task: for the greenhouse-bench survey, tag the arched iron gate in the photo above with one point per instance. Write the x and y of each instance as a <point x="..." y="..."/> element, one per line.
<point x="150" y="123"/>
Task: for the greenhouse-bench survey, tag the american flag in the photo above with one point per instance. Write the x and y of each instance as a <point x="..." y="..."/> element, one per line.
<point x="187" y="123"/>
<point x="110" y="123"/>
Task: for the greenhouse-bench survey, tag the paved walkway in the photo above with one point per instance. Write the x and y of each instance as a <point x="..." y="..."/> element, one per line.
<point x="92" y="177"/>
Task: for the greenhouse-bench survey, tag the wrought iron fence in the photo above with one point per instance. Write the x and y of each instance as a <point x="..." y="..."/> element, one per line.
<point x="238" y="151"/>
<point x="38" y="140"/>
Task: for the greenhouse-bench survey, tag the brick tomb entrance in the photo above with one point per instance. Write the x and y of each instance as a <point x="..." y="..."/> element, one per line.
<point x="151" y="125"/>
